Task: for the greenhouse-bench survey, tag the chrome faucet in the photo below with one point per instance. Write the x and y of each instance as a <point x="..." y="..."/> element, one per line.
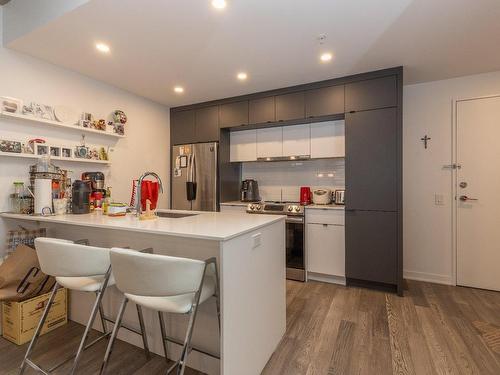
<point x="138" y="205"/>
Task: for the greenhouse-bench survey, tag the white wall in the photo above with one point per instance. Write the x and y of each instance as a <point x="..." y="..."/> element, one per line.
<point x="146" y="146"/>
<point x="282" y="180"/>
<point x="428" y="247"/>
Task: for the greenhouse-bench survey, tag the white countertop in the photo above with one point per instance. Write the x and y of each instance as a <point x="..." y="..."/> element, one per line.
<point x="324" y="207"/>
<point x="218" y="226"/>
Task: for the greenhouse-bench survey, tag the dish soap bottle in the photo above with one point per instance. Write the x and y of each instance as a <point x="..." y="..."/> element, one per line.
<point x="107" y="201"/>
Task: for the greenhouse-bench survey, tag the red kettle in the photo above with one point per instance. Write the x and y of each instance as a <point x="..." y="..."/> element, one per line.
<point x="305" y="195"/>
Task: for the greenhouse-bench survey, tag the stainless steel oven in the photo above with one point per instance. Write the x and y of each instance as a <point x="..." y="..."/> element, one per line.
<point x="295" y="254"/>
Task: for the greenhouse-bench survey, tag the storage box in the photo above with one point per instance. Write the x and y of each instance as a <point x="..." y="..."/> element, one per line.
<point x="20" y="319"/>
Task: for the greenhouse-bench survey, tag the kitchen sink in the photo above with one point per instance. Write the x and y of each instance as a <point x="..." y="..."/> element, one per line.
<point x="173" y="215"/>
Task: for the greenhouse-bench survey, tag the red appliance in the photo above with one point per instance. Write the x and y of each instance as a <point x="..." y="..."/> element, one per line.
<point x="305" y="195"/>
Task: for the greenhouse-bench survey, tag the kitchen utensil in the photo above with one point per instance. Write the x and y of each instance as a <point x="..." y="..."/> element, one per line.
<point x="60" y="206"/>
<point x="322" y="196"/>
<point x="65" y="114"/>
<point x="340" y="196"/>
<point x="305" y="195"/>
<point x="250" y="191"/>
<point x="96" y="179"/>
<point x="80" y="197"/>
<point x="43" y="195"/>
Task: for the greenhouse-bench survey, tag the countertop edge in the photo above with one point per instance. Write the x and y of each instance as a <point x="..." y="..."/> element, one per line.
<point x="54" y="220"/>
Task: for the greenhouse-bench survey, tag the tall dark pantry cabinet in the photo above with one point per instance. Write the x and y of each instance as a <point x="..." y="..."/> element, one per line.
<point x="373" y="221"/>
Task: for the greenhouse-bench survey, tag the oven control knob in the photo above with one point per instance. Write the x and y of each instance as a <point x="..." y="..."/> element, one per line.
<point x="290" y="208"/>
<point x="259" y="207"/>
<point x="251" y="207"/>
<point x="297" y="208"/>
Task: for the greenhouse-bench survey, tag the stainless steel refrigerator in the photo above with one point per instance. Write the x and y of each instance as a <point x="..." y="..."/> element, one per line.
<point x="194" y="177"/>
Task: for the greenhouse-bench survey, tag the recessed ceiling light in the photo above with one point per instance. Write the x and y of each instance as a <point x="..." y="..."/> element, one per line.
<point x="219" y="4"/>
<point x="179" y="89"/>
<point x="325" y="57"/>
<point x="242" y="76"/>
<point x="101" y="47"/>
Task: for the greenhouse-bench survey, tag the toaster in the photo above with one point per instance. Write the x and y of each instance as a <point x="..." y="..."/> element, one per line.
<point x="339" y="196"/>
<point x="321" y="196"/>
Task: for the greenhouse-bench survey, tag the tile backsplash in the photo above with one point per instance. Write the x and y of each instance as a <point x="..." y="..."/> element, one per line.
<point x="282" y="180"/>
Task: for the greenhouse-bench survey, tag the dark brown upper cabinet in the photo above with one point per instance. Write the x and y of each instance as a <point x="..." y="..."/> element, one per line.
<point x="290" y="106"/>
<point x="233" y="114"/>
<point x="371" y="163"/>
<point x="325" y="101"/>
<point x="371" y="94"/>
<point x="207" y="124"/>
<point x="262" y="110"/>
<point x="182" y="127"/>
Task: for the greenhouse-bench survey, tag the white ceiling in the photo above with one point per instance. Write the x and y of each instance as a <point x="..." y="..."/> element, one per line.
<point x="157" y="44"/>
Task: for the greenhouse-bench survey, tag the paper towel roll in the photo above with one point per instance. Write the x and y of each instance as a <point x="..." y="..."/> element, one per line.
<point x="43" y="194"/>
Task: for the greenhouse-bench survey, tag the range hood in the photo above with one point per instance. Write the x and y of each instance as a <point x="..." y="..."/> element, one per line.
<point x="284" y="158"/>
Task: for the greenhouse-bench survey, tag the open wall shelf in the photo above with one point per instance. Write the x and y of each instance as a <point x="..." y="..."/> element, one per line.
<point x="54" y="158"/>
<point x="33" y="119"/>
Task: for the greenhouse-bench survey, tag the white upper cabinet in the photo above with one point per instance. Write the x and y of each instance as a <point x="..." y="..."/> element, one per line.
<point x="296" y="140"/>
<point x="269" y="142"/>
<point x="243" y="145"/>
<point x="328" y="139"/>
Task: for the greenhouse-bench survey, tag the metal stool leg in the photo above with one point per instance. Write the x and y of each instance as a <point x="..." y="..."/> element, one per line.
<point x="101" y="316"/>
<point x="91" y="320"/>
<point x="189" y="334"/>
<point x="39" y="328"/>
<point x="163" y="334"/>
<point x="111" y="343"/>
<point x="143" y="331"/>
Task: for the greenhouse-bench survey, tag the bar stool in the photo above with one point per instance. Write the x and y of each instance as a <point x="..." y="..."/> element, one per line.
<point x="167" y="285"/>
<point x="81" y="268"/>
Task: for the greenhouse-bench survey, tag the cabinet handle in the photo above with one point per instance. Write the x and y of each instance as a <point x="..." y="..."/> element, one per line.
<point x="325" y="225"/>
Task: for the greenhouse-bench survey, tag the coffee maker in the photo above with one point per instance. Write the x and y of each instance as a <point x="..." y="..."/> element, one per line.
<point x="98" y="191"/>
<point x="250" y="191"/>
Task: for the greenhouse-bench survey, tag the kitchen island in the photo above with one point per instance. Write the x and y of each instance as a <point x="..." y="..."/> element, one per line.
<point x="250" y="250"/>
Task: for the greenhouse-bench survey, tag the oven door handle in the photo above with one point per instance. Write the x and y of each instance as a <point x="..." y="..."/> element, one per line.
<point x="298" y="220"/>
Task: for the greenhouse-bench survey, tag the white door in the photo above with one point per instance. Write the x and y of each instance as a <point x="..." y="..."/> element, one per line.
<point x="478" y="192"/>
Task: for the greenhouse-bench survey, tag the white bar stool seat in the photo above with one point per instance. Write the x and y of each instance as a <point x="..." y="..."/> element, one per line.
<point x="81" y="268"/>
<point x="180" y="304"/>
<point x="167" y="285"/>
<point x="84" y="284"/>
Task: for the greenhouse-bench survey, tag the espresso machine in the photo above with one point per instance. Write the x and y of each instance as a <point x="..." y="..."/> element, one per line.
<point x="98" y="190"/>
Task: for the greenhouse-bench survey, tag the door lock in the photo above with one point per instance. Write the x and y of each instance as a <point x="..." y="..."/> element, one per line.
<point x="463" y="185"/>
<point x="465" y="198"/>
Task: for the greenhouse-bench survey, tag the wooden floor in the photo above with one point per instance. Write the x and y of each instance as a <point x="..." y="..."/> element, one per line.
<point x="434" y="329"/>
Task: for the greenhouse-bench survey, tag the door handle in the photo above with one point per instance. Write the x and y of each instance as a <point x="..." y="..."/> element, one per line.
<point x="465" y="198"/>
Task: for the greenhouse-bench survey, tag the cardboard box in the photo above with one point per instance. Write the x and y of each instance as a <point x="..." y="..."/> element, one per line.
<point x="20" y="319"/>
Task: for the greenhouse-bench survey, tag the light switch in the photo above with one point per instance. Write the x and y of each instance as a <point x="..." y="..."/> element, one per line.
<point x="439" y="199"/>
<point x="256" y="240"/>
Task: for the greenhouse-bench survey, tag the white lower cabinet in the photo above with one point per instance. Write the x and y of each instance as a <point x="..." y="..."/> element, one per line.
<point x="325" y="247"/>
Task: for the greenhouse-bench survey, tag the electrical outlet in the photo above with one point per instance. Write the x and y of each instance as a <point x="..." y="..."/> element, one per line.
<point x="257" y="239"/>
<point x="439" y="199"/>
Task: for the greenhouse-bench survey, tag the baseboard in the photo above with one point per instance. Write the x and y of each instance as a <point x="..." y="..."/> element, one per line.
<point x="326" y="278"/>
<point x="428" y="277"/>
